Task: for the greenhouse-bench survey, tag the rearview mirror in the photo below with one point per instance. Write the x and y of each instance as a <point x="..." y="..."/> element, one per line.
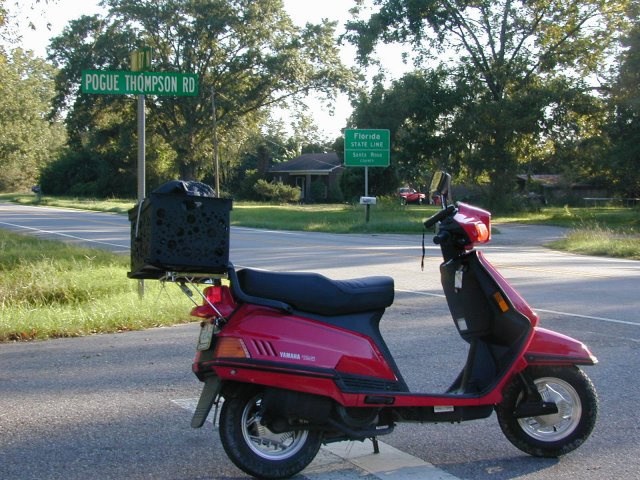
<point x="440" y="184"/>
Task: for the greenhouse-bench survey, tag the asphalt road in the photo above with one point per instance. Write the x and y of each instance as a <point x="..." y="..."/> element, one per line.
<point x="113" y="406"/>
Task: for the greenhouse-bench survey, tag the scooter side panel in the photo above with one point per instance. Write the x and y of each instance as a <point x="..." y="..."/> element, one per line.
<point x="293" y="340"/>
<point x="286" y="380"/>
<point x="518" y="302"/>
<point x="552" y="348"/>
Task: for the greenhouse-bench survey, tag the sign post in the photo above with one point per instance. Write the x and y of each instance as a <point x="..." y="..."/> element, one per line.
<point x="139" y="81"/>
<point x="140" y="61"/>
<point x="367" y="148"/>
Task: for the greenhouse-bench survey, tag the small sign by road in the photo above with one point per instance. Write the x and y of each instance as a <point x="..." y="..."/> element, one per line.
<point x="139" y="83"/>
<point x="366" y="148"/>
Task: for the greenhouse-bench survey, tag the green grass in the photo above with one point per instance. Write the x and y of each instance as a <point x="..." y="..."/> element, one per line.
<point x="50" y="289"/>
<point x="622" y="220"/>
<point x="115" y="205"/>
<point x="601" y="241"/>
<point x="386" y="217"/>
<point x="600" y="231"/>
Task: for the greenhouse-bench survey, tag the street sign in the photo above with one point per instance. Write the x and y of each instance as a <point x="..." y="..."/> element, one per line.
<point x="139" y="83"/>
<point x="141" y="59"/>
<point x="366" y="148"/>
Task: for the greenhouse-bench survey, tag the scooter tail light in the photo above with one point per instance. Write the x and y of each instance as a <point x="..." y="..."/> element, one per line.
<point x="217" y="301"/>
<point x="231" y="347"/>
<point x="213" y="294"/>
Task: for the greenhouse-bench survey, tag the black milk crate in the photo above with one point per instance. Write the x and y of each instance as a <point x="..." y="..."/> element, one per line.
<point x="179" y="233"/>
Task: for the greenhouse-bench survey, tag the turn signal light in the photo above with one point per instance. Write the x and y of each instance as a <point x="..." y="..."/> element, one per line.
<point x="231" y="347"/>
<point x="482" y="233"/>
<point x="504" y="306"/>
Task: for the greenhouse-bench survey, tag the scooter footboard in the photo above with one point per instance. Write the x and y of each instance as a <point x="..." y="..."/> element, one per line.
<point x="552" y="348"/>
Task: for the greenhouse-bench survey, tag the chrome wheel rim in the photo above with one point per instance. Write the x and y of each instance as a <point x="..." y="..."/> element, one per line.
<point x="265" y="443"/>
<point x="555" y="426"/>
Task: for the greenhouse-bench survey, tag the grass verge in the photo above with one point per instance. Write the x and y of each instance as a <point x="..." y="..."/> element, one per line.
<point x="600" y="241"/>
<point x="50" y="289"/>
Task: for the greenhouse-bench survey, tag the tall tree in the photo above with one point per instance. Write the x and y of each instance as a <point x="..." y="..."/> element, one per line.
<point x="506" y="57"/>
<point x="624" y="130"/>
<point x="28" y="140"/>
<point x="247" y="53"/>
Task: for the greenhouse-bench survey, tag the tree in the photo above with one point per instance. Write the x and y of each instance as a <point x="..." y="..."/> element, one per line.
<point x="27" y="139"/>
<point x="416" y="109"/>
<point x="507" y="60"/>
<point x="247" y="53"/>
<point x="624" y="130"/>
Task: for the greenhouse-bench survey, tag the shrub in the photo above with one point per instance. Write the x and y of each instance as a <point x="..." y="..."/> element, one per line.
<point x="277" y="192"/>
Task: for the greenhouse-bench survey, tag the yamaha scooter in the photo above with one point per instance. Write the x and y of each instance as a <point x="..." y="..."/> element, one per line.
<point x="296" y="360"/>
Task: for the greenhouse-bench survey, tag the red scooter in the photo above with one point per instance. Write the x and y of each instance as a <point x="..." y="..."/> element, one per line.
<point x="300" y="361"/>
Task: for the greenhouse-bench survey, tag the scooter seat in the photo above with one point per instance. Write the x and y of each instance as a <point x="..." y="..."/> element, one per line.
<point x="315" y="293"/>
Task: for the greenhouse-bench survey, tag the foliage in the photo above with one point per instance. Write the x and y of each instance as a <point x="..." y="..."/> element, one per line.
<point x="247" y="52"/>
<point x="40" y="298"/>
<point x="277" y="192"/>
<point x="600" y="241"/>
<point x="382" y="181"/>
<point x="623" y="158"/>
<point x="415" y="109"/>
<point x="28" y="141"/>
<point x="516" y="70"/>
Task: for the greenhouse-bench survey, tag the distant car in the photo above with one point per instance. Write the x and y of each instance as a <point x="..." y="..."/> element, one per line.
<point x="409" y="195"/>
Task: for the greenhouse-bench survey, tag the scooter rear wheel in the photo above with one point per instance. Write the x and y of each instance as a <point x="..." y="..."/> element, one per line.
<point x="255" y="449"/>
<point x="558" y="433"/>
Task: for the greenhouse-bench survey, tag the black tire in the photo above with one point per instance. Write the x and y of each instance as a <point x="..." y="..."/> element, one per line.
<point x="254" y="448"/>
<point x="556" y="434"/>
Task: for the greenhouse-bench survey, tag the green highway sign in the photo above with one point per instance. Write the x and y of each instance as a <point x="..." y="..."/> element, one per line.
<point x="139" y="83"/>
<point x="366" y="148"/>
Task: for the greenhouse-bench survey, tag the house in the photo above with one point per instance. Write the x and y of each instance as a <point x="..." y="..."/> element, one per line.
<point x="555" y="188"/>
<point x="317" y="174"/>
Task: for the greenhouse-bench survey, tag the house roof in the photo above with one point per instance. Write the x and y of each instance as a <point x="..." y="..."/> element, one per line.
<point x="545" y="179"/>
<point x="551" y="181"/>
<point x="315" y="163"/>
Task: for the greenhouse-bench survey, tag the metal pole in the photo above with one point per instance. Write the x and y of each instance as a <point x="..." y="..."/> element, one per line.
<point x="215" y="142"/>
<point x="366" y="194"/>
<point x="141" y="166"/>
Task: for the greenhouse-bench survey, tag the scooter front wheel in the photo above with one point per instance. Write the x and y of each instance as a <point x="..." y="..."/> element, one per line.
<point x="557" y="433"/>
<point x="255" y="449"/>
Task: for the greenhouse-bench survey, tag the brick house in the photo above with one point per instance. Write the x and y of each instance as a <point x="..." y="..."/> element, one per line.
<point x="320" y="169"/>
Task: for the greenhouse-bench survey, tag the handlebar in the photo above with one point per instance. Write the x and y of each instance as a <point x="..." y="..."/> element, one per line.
<point x="441" y="237"/>
<point x="441" y="215"/>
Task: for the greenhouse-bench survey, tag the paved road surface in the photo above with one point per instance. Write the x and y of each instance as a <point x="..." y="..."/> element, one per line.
<point x="116" y="406"/>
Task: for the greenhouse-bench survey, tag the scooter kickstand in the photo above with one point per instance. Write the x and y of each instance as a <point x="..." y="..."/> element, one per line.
<point x="376" y="447"/>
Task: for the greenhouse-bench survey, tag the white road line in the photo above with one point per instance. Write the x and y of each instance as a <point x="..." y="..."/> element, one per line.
<point x="389" y="464"/>
<point x="554" y="312"/>
<point x="589" y="317"/>
<point x="50" y="232"/>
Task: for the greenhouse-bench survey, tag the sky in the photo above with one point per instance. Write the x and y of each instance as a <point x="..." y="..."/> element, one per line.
<point x="60" y="12"/>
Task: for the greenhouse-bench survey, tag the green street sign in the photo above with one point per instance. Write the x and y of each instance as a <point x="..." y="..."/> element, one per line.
<point x="141" y="59"/>
<point x="366" y="148"/>
<point x="139" y="83"/>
